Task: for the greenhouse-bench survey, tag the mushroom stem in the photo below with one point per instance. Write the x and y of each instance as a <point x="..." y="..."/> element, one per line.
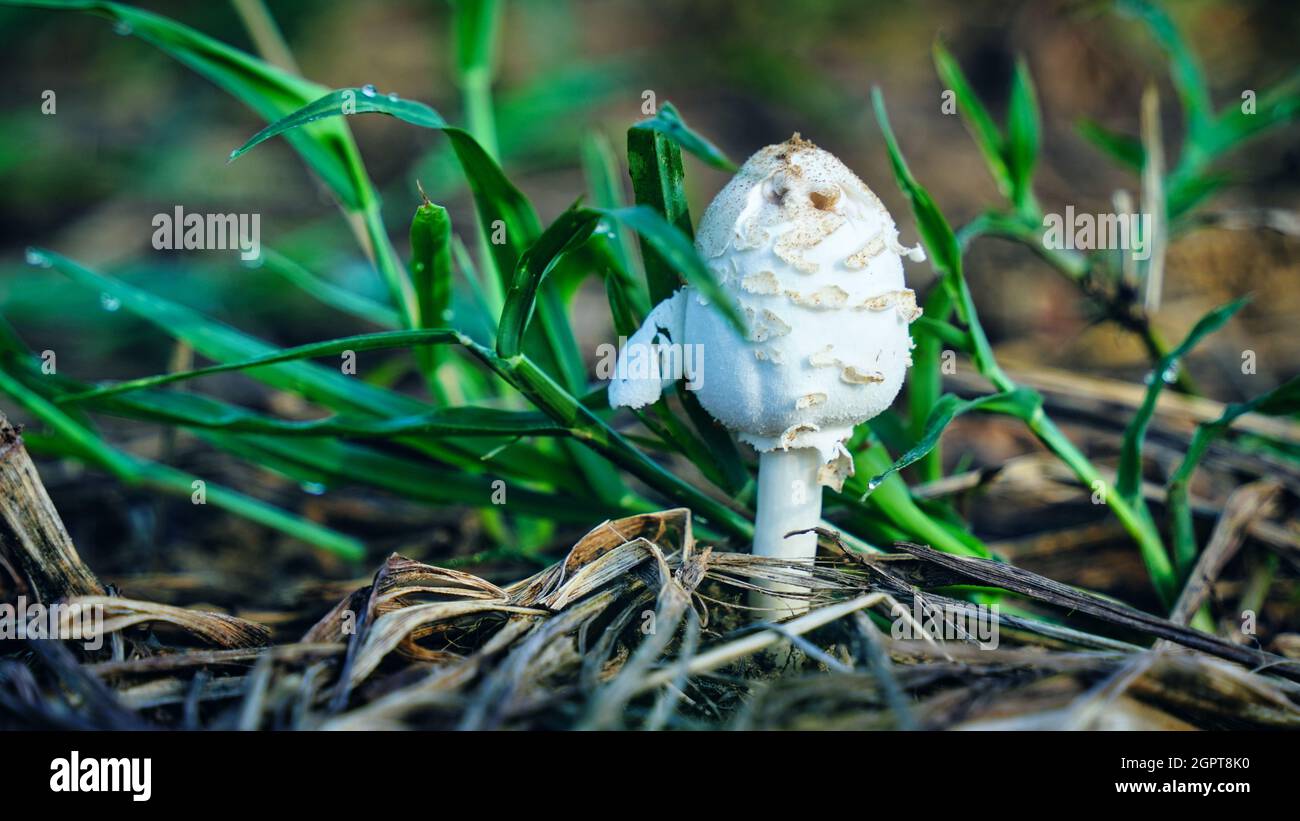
<point x="789" y="498"/>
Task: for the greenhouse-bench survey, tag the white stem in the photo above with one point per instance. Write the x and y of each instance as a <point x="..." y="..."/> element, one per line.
<point x="789" y="498"/>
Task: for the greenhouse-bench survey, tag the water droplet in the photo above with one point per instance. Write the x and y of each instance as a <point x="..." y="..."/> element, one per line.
<point x="122" y="27"/>
<point x="1170" y="374"/>
<point x="368" y="90"/>
<point x="392" y="95"/>
<point x="109" y="302"/>
<point x="37" y="258"/>
<point x="874" y="483"/>
<point x="314" y="488"/>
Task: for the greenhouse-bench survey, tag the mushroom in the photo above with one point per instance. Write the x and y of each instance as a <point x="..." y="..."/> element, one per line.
<point x="812" y="258"/>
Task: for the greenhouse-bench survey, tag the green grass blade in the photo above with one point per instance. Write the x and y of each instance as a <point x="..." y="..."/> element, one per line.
<point x="475" y="24"/>
<point x="327" y="148"/>
<point x="362" y="342"/>
<point x="891" y="501"/>
<point x="669" y="123"/>
<point x="925" y="384"/>
<point x="269" y="91"/>
<point x="552" y="399"/>
<point x="1278" y="105"/>
<point x="1126" y="150"/>
<point x="495" y="197"/>
<point x="1022" y="137"/>
<point x="570" y="230"/>
<point x="328" y="293"/>
<point x="338" y="464"/>
<point x="977" y="119"/>
<point x="198" y="411"/>
<point x="1021" y="403"/>
<point x="1284" y="400"/>
<point x="223" y="343"/>
<point x="344" y="102"/>
<point x="675" y="249"/>
<point x="1129" y="480"/>
<point x="655" y="165"/>
<point x="1185" y="70"/>
<point x="141" y="472"/>
<point x="315" y="383"/>
<point x="502" y="209"/>
<point x="945" y="251"/>
<point x="600" y="168"/>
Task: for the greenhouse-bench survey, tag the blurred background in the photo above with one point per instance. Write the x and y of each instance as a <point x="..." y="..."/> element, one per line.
<point x="136" y="134"/>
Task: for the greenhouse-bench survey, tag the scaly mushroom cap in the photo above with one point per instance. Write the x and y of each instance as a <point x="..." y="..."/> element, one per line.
<point x="812" y="258"/>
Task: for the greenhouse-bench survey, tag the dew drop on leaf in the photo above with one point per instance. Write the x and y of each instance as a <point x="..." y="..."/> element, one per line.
<point x="109" y="302"/>
<point x="368" y="90"/>
<point x="38" y="259"/>
<point x="314" y="488"/>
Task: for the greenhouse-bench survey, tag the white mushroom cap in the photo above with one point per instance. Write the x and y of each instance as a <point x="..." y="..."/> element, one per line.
<point x="812" y="258"/>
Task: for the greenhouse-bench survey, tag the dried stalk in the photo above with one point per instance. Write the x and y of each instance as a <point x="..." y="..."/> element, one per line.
<point x="32" y="536"/>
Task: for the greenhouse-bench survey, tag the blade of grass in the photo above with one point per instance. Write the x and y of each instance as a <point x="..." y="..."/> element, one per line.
<point x="1021" y="403"/>
<point x="655" y="166"/>
<point x="892" y="502"/>
<point x="495" y="197"/>
<point x="328" y="387"/>
<point x="1185" y="71"/>
<point x="675" y="249"/>
<point x="199" y="411"/>
<point x="945" y="251"/>
<point x="1126" y="150"/>
<point x="570" y="230"/>
<point x="362" y="342"/>
<point x="977" y="119"/>
<point x="142" y="473"/>
<point x="500" y="205"/>
<point x="327" y="148"/>
<point x="344" y="464"/>
<point x="1022" y="138"/>
<point x="668" y="123"/>
<point x="1282" y="400"/>
<point x="328" y="293"/>
<point x="1128" y="483"/>
<point x="600" y="168"/>
<point x="475" y="23"/>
